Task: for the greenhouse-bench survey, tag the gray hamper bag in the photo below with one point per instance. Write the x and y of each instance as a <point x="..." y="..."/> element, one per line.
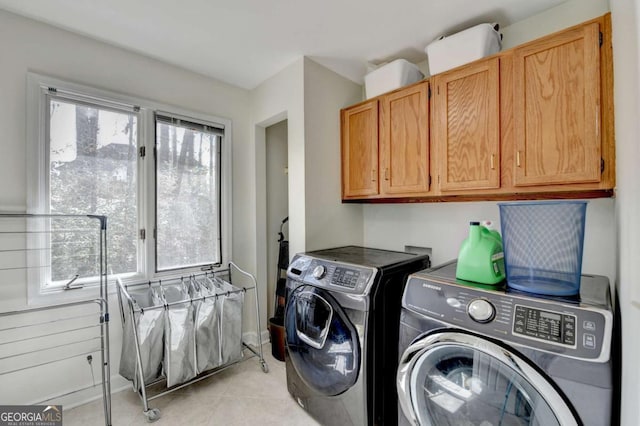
<point x="150" y="328"/>
<point x="179" y="336"/>
<point x="230" y="321"/>
<point x="207" y="324"/>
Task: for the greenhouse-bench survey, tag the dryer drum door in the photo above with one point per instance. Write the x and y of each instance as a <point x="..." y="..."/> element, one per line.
<point x="323" y="344"/>
<point x="456" y="378"/>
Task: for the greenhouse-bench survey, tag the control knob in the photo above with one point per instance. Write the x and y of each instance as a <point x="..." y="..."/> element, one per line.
<point x="481" y="310"/>
<point x="319" y="272"/>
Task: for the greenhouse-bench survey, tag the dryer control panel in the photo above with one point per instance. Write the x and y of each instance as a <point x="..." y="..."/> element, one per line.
<point x="333" y="275"/>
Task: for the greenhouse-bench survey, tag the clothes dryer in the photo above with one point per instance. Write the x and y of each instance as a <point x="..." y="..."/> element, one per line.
<point x="473" y="355"/>
<point x="341" y="324"/>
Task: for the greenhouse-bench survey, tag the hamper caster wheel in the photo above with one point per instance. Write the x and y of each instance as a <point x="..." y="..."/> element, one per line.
<point x="152" y="415"/>
<point x="264" y="366"/>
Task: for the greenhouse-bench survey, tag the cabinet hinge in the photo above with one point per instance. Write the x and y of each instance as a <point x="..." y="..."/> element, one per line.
<point x="143" y="151"/>
<point x="143" y="234"/>
<point x="429" y="181"/>
<point x="600" y="38"/>
<point x="52" y="90"/>
<point x="601" y="165"/>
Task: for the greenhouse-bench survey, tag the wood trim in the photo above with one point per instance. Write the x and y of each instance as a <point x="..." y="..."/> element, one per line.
<point x="560" y="195"/>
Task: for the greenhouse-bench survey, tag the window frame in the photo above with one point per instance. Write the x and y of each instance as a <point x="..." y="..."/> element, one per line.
<point x="37" y="148"/>
<point x="189" y="120"/>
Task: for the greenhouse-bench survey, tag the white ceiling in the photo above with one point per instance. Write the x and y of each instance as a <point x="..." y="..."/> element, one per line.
<point x="244" y="42"/>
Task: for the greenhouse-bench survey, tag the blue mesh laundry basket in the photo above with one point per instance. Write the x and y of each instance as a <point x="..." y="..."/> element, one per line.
<point x="543" y="245"/>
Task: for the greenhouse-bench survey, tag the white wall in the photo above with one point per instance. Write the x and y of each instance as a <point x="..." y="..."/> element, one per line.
<point x="309" y="96"/>
<point x="569" y="13"/>
<point x="443" y="227"/>
<point x="626" y="54"/>
<point x="329" y="223"/>
<point x="280" y="97"/>
<point x="277" y="202"/>
<point x="26" y="45"/>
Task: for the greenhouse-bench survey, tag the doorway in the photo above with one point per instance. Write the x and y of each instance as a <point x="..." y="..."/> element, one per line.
<point x="277" y="192"/>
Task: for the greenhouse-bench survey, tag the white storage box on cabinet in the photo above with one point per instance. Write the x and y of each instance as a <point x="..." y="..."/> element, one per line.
<point x="391" y="76"/>
<point x="463" y="47"/>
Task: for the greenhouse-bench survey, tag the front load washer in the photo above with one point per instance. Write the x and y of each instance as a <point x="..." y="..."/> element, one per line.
<point x="473" y="355"/>
<point x="341" y="325"/>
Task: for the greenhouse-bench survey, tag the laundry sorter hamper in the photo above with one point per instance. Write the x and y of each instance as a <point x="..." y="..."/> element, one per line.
<point x="181" y="330"/>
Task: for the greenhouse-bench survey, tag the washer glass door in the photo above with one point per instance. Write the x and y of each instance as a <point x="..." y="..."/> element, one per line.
<point x="322" y="342"/>
<point x="460" y="379"/>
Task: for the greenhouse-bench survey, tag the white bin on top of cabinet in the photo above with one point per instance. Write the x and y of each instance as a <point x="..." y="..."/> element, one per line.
<point x="391" y="76"/>
<point x="463" y="47"/>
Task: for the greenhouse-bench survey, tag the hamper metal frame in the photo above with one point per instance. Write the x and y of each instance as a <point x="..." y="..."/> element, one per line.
<point x="58" y="313"/>
<point x="153" y="414"/>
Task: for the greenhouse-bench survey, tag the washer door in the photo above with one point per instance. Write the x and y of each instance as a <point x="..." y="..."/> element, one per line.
<point x="455" y="378"/>
<point x="323" y="344"/>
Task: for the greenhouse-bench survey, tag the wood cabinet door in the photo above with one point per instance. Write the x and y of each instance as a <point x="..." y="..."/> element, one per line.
<point x="466" y="127"/>
<point x="557" y="109"/>
<point x="404" y="141"/>
<point x="360" y="150"/>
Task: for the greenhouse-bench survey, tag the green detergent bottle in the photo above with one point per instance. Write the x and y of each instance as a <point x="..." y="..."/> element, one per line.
<point x="481" y="258"/>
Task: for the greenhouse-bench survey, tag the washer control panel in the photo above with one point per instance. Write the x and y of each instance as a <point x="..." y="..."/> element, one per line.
<point x="552" y="326"/>
<point x="574" y="329"/>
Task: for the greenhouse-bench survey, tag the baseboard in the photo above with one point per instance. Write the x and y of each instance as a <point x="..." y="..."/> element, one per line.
<point x="251" y="337"/>
<point x="84" y="396"/>
<point x="119" y="383"/>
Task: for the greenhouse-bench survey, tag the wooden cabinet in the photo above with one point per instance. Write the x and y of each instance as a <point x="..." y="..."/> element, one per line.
<point x="404" y="141"/>
<point x="466" y="127"/>
<point x="533" y="122"/>
<point x="360" y="150"/>
<point x="556" y="109"/>
<point x="385" y="145"/>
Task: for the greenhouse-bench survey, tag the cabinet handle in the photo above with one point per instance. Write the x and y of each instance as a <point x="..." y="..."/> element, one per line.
<point x="518" y="158"/>
<point x="491" y="162"/>
<point x="373" y="175"/>
<point x="386" y="174"/>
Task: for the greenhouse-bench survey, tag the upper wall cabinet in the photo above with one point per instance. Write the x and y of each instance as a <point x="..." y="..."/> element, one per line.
<point x="404" y="141"/>
<point x="466" y="127"/>
<point x="385" y="145"/>
<point x="532" y="122"/>
<point x="360" y="150"/>
<point x="557" y="109"/>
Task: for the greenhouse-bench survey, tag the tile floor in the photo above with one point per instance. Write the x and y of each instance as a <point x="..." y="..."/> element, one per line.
<point x="240" y="395"/>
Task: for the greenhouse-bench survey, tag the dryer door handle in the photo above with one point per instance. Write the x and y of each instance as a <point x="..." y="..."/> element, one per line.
<point x="313" y="316"/>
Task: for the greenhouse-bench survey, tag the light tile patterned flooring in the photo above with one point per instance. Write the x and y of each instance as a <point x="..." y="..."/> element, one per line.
<point x="240" y="395"/>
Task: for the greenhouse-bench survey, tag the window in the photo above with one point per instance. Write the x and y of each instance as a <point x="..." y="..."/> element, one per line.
<point x="187" y="193"/>
<point x="158" y="174"/>
<point x="91" y="169"/>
